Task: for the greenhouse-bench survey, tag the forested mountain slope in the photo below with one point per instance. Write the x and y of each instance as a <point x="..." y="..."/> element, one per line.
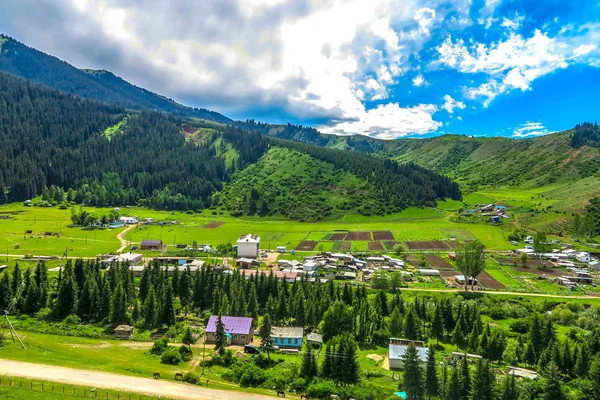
<point x="105" y="155"/>
<point x="474" y="162"/>
<point x="51" y="138"/>
<point x="18" y="59"/>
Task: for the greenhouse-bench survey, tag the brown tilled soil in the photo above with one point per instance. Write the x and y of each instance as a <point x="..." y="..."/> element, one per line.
<point x="430" y="245"/>
<point x="531" y="263"/>
<point x="489" y="282"/>
<point x="438" y="262"/>
<point x="375" y="246"/>
<point x="337" y="237"/>
<point x="307" y="245"/>
<point x="389" y="245"/>
<point x="541" y="271"/>
<point x="345" y="246"/>
<point x="214" y="224"/>
<point x="358" y="236"/>
<point x="383" y="235"/>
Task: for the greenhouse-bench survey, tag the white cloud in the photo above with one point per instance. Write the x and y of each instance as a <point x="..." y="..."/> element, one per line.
<point x="389" y="121"/>
<point x="514" y="23"/>
<point x="516" y="61"/>
<point x="530" y="129"/>
<point x="451" y="104"/>
<point x="419" y="81"/>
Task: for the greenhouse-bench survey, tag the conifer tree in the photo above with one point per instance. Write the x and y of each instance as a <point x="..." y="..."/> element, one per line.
<point x="473" y="342"/>
<point x="66" y="300"/>
<point x="381" y="303"/>
<point x="509" y="389"/>
<point x="447" y="316"/>
<point x="483" y="382"/>
<point x="118" y="308"/>
<point x="432" y="384"/>
<point x="437" y="325"/>
<point x="552" y="388"/>
<point x="17" y="278"/>
<point x="253" y="303"/>
<point x="458" y="337"/>
<point x="5" y="292"/>
<point x="188" y="339"/>
<point x="535" y="334"/>
<point x="151" y="308"/>
<point x="594" y="376"/>
<point x="31" y="298"/>
<point x="347" y="360"/>
<point x="413" y="374"/>
<point x="453" y="390"/>
<point x="265" y="333"/>
<point x="87" y="307"/>
<point x="465" y="378"/>
<point x="136" y="314"/>
<point x="327" y="366"/>
<point x="396" y="323"/>
<point x="167" y="314"/>
<point x="412" y="330"/>
<point x="309" y="366"/>
<point x="185" y="289"/>
<point x="583" y="361"/>
<point x="220" y="339"/>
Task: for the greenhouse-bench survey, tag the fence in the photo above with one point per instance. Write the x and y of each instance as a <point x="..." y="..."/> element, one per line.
<point x="76" y="392"/>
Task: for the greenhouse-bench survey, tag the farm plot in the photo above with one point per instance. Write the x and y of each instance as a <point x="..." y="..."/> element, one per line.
<point x="375" y="246"/>
<point x="383" y="235"/>
<point x="318" y="235"/>
<point x="438" y="262"/>
<point x="541" y="271"/>
<point x="307" y="245"/>
<point x="458" y="234"/>
<point x="214" y="224"/>
<point x="531" y="263"/>
<point x="429" y="245"/>
<point x="359" y="236"/>
<point x="338" y="236"/>
<point x="389" y="245"/>
<point x="345" y="246"/>
<point x="488" y="281"/>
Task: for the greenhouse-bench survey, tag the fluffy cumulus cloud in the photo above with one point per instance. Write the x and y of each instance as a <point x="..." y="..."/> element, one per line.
<point x="530" y="129"/>
<point x="344" y="66"/>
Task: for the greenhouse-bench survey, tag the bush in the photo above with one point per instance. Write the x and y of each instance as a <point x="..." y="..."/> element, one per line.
<point x="159" y="346"/>
<point x="171" y="357"/>
<point x="72" y="320"/>
<point x="185" y="353"/>
<point x="519" y="326"/>
<point x="321" y="389"/>
<point x="298" y="385"/>
<point x="252" y="376"/>
<point x="191" y="377"/>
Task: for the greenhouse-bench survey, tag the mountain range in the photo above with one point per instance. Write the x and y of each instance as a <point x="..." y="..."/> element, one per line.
<point x="547" y="164"/>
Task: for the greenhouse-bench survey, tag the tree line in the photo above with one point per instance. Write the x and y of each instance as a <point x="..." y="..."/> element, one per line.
<point x="586" y="134"/>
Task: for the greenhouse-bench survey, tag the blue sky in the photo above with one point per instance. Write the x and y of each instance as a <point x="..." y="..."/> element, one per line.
<point x="382" y="68"/>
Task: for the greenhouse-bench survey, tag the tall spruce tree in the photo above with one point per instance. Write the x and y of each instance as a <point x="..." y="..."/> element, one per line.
<point x="266" y="335"/>
<point x="220" y="339"/>
<point x="509" y="388"/>
<point x="553" y="387"/>
<point x="168" y="307"/>
<point x="413" y="374"/>
<point x="118" y="308"/>
<point x="432" y="383"/>
<point x="396" y="323"/>
<point x="483" y="382"/>
<point x="309" y="365"/>
<point x="453" y="389"/>
<point x="412" y="330"/>
<point x="66" y="299"/>
<point x="465" y="378"/>
<point x="437" y="325"/>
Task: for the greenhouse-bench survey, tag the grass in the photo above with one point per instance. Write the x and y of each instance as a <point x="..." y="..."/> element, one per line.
<point x="35" y="389"/>
<point x="117" y="128"/>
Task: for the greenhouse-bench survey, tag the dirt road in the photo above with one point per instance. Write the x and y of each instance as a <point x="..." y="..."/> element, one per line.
<point x="123" y="241"/>
<point x="94" y="379"/>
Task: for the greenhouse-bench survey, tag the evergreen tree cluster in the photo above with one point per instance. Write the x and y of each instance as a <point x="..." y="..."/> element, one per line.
<point x="586" y="134"/>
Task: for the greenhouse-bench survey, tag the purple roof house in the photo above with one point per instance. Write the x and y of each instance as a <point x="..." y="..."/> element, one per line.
<point x="240" y="329"/>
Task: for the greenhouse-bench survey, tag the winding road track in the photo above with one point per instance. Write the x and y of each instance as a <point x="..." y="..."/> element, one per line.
<point x="123" y="241"/>
<point x="95" y="379"/>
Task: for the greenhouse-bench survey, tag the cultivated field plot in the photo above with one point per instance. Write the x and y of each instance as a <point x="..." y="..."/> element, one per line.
<point x="318" y="235"/>
<point x="214" y="224"/>
<point x="359" y="236"/>
<point x="429" y="245"/>
<point x="541" y="271"/>
<point x="458" y="234"/>
<point x="488" y="281"/>
<point x="438" y="262"/>
<point x="413" y="260"/>
<point x="531" y="263"/>
<point x="307" y="245"/>
<point x="345" y="246"/>
<point x="338" y="237"/>
<point x="389" y="245"/>
<point x="383" y="235"/>
<point x="375" y="246"/>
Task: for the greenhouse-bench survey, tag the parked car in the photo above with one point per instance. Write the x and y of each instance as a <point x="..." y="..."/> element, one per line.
<point x="251" y="349"/>
<point x="133" y="248"/>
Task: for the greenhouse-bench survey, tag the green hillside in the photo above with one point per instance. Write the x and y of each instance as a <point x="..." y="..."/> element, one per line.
<point x="292" y="184"/>
<point x="26" y="62"/>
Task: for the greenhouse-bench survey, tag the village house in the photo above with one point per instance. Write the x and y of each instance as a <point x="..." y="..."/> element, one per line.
<point x="246" y="263"/>
<point x="128" y="220"/>
<point x="287" y="336"/>
<point x="123" y="332"/>
<point x="151" y="244"/>
<point x="315" y="339"/>
<point x="397" y="348"/>
<point x="238" y="329"/>
<point x="130" y="258"/>
<point x="247" y="246"/>
<point x="583" y="257"/>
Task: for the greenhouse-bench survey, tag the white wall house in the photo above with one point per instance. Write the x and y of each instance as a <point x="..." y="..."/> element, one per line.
<point x="247" y="246"/>
<point x="583" y="257"/>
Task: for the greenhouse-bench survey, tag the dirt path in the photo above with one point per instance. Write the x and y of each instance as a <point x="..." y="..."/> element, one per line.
<point x="94" y="379"/>
<point x="123" y="241"/>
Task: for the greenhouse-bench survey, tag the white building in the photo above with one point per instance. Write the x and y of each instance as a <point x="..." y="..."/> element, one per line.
<point x="583" y="257"/>
<point x="247" y="246"/>
<point x="128" y="220"/>
<point x="398" y="347"/>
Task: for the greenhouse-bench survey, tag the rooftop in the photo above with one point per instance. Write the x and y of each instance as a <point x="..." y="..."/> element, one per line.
<point x="152" y="242"/>
<point x="249" y="238"/>
<point x="287" y="332"/>
<point x="233" y="325"/>
<point x="396" y="351"/>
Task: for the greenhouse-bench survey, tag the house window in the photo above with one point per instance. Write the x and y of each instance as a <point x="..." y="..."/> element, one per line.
<point x="243" y="337"/>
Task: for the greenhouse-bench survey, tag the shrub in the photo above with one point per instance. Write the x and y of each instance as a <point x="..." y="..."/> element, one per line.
<point x="159" y="346"/>
<point x="298" y="385"/>
<point x="321" y="389"/>
<point x="519" y="326"/>
<point x="171" y="357"/>
<point x="185" y="353"/>
<point x="252" y="376"/>
<point x="191" y="377"/>
<point x="72" y="320"/>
